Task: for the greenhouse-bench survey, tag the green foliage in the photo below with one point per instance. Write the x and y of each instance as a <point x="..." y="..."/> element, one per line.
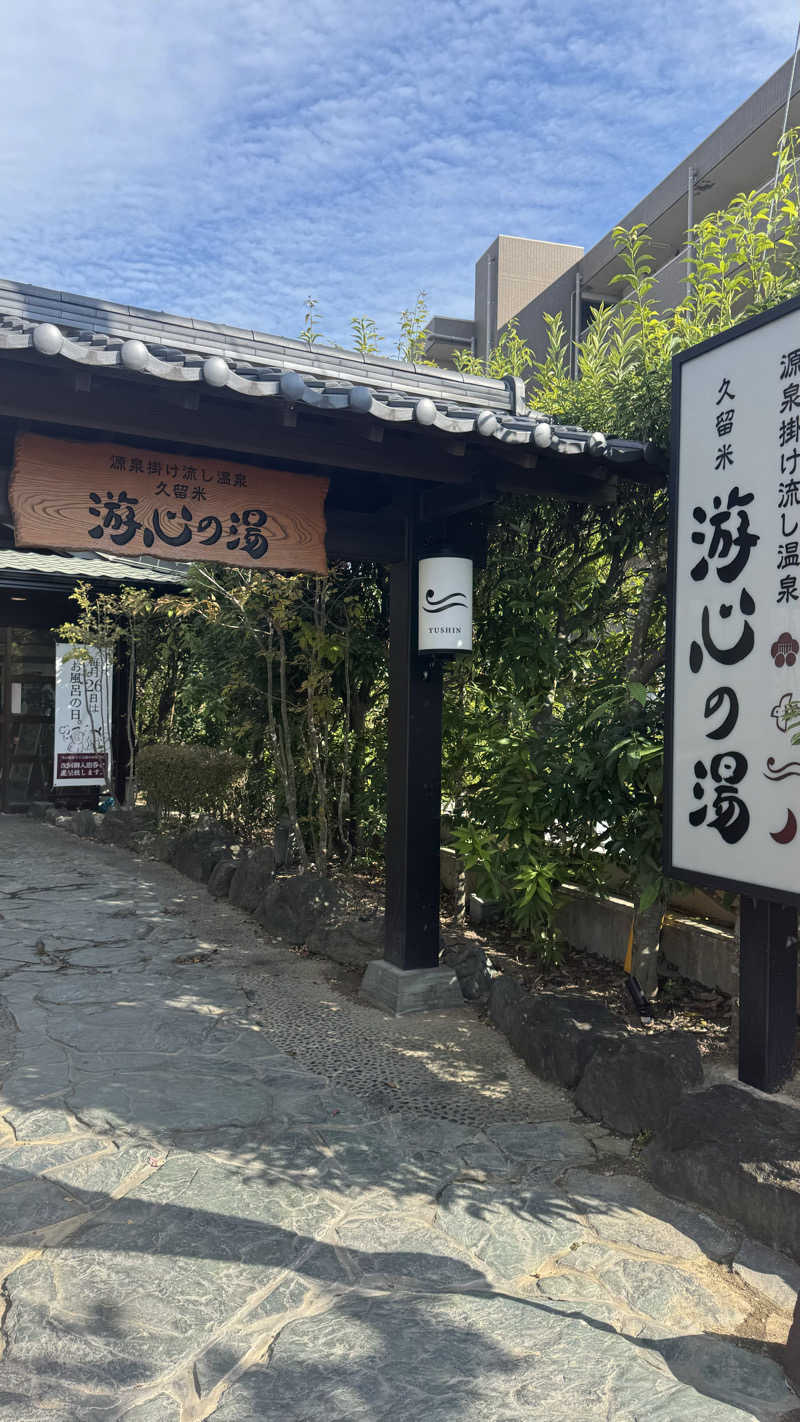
<point x="554" y="734"/>
<point x="249" y="807"/>
<point x="365" y="335"/>
<point x="310" y="331"/>
<point x="411" y="346"/>
<point x="290" y="673"/>
<point x="480" y="849"/>
<point x="189" y="779"/>
<point x="515" y="866"/>
<point x="511" y="356"/>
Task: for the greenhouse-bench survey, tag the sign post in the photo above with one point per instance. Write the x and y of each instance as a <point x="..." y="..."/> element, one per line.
<point x="430" y="612"/>
<point x="733" y="705"/>
<point x="768" y="987"/>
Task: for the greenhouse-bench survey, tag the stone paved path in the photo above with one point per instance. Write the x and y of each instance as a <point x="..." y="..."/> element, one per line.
<point x="229" y="1190"/>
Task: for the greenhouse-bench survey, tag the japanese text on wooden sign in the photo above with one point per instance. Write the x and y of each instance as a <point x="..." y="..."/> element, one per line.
<point x="123" y="500"/>
<point x="82" y="727"/>
<point x="733" y="723"/>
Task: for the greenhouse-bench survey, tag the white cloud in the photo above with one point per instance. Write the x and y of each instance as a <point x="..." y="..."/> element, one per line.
<point x="226" y="161"/>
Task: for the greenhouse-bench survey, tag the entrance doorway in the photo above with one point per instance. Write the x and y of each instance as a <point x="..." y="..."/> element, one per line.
<point x="27" y="696"/>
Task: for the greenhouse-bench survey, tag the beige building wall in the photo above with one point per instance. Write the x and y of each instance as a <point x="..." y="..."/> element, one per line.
<point x="512" y="272"/>
<point x="525" y="268"/>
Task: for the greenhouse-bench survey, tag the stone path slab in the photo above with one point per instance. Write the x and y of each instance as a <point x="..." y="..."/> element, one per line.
<point x="228" y="1189"/>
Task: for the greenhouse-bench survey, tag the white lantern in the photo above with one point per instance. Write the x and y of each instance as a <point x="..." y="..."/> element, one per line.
<point x="445" y="605"/>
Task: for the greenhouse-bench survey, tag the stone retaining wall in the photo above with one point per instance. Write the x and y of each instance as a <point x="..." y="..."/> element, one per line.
<point x="725" y="1148"/>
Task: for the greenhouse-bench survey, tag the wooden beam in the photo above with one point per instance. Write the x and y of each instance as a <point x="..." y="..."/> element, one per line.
<point x="551" y="478"/>
<point x="443" y="502"/>
<point x="133" y="407"/>
<point x="364" y="537"/>
<point x="130" y="406"/>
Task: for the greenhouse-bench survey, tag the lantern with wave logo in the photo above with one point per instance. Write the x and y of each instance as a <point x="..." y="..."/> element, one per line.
<point x="445" y="605"/>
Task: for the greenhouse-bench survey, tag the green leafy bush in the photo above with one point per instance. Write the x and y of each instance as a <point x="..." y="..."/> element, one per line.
<point x="249" y="810"/>
<point x="518" y="866"/>
<point x="188" y="779"/>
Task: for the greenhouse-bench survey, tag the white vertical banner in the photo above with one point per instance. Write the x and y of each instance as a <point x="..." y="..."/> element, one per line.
<point x="445" y="604"/>
<point x="82" y="752"/>
<point x="733" y="711"/>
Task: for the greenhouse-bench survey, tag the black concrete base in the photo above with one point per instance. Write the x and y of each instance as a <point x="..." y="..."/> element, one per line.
<point x="399" y="991"/>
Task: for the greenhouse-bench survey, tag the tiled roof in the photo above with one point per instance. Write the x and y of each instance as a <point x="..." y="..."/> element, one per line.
<point x="95" y="567"/>
<point x="104" y="336"/>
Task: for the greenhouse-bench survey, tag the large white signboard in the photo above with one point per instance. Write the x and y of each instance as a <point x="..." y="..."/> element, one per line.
<point x="733" y="714"/>
<point x="82" y="716"/>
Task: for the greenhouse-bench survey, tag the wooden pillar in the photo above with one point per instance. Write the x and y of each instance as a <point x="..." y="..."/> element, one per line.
<point x="767" y="992"/>
<point x="120" y="748"/>
<point x="5" y="715"/>
<point x="415" y="777"/>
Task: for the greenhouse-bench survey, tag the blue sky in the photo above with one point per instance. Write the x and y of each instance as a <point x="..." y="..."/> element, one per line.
<point x="228" y="160"/>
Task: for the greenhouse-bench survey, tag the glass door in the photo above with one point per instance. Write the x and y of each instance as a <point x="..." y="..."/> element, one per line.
<point x="27" y="693"/>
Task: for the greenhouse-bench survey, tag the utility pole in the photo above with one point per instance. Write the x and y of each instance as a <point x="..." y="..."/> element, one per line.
<point x="689" y="226"/>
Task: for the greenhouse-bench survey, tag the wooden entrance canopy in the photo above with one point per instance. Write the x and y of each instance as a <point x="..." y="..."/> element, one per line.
<point x="413" y="456"/>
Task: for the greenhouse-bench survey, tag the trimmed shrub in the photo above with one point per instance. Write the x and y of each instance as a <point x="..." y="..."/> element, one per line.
<point x="188" y="779"/>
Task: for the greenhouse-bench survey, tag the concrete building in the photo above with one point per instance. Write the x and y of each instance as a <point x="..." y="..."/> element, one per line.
<point x="530" y="278"/>
<point x="512" y="273"/>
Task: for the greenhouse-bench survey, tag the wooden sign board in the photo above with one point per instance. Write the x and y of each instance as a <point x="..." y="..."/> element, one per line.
<point x="118" y="499"/>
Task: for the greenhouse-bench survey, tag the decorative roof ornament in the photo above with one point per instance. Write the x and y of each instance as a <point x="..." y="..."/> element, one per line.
<point x="246" y="363"/>
<point x="47" y="339"/>
<point x="134" y="355"/>
<point x="216" y="371"/>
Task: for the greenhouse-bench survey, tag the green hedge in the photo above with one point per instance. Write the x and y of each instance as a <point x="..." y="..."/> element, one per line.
<point x="188" y="779"/>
